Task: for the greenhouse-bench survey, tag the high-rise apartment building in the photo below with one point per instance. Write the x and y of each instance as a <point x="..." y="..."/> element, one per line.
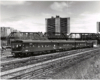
<point x="98" y="27"/>
<point x="58" y="24"/>
<point x="5" y="31"/>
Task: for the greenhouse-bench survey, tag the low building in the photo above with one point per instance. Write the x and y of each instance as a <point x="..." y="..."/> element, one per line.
<point x="4" y="33"/>
<point x="98" y="27"/>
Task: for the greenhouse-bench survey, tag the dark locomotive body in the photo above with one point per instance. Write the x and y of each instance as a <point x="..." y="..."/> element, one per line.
<point x="34" y="47"/>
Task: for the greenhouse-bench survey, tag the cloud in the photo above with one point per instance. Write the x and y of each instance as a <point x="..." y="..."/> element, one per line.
<point x="46" y="14"/>
<point x="59" y="6"/>
<point x="87" y="22"/>
<point x="16" y="18"/>
<point x="15" y="2"/>
<point x="25" y="25"/>
<point x="91" y="17"/>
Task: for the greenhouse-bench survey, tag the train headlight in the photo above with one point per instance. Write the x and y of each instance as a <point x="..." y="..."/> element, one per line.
<point x="26" y="50"/>
<point x="16" y="45"/>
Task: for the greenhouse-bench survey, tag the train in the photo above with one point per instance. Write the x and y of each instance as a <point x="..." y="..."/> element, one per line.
<point x="21" y="48"/>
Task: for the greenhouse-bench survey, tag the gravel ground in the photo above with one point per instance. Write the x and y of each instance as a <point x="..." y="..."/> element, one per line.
<point x="87" y="69"/>
<point x="5" y="52"/>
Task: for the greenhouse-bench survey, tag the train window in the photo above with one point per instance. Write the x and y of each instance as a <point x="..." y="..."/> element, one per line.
<point x="30" y="43"/>
<point x="13" y="46"/>
<point x="54" y="46"/>
<point x="26" y="45"/>
<point x="45" y="46"/>
<point x="42" y="45"/>
<point x="38" y="46"/>
<point x="33" y="46"/>
<point x="16" y="45"/>
<point x="64" y="44"/>
<point x="23" y="45"/>
<point x="19" y="44"/>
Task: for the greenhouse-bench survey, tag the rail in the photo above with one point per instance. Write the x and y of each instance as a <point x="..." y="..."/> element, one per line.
<point x="20" y="73"/>
<point x="11" y="64"/>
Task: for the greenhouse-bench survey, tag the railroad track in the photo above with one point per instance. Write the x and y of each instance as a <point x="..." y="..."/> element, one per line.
<point x="49" y="72"/>
<point x="19" y="62"/>
<point x="10" y="57"/>
<point x="41" y="69"/>
<point x="6" y="58"/>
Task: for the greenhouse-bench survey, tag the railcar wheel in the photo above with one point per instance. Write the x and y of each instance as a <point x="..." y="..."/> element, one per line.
<point x="32" y="53"/>
<point x="59" y="50"/>
<point x="15" y="54"/>
<point x="51" y="51"/>
<point x="39" y="52"/>
<point x="54" y="50"/>
<point x="44" y="52"/>
<point x="63" y="49"/>
<point x="21" y="55"/>
<point x="28" y="54"/>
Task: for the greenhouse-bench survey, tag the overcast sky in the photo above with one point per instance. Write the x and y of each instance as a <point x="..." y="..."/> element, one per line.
<point x="30" y="15"/>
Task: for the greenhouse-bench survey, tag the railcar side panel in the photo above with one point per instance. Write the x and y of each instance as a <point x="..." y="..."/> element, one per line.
<point x="30" y="47"/>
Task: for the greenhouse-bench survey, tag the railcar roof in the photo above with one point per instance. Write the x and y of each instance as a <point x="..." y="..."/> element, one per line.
<point x="44" y="41"/>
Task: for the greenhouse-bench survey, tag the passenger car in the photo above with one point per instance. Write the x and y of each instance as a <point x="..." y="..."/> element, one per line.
<point x="35" y="47"/>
